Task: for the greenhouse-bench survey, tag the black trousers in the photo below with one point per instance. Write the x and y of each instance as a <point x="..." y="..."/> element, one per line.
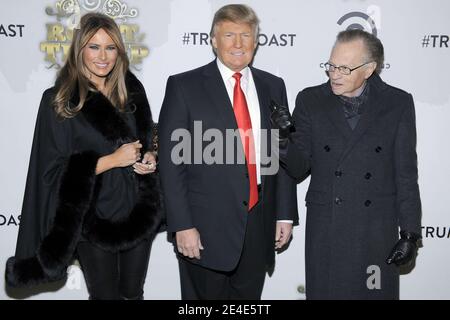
<point x="246" y="281"/>
<point x="114" y="276"/>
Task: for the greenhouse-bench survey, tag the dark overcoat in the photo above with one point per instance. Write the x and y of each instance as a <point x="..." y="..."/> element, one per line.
<point x="363" y="189"/>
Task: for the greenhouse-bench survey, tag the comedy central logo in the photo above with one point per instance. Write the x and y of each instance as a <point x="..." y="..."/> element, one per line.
<point x="370" y="21"/>
<point x="68" y="14"/>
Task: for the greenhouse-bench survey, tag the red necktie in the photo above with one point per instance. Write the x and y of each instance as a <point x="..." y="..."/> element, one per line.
<point x="245" y="126"/>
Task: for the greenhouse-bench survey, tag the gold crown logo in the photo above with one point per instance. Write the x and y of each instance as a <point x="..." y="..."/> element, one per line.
<point x="68" y="14"/>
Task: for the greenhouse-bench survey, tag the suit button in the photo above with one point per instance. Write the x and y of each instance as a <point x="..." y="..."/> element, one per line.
<point x="338" y="173"/>
<point x="246" y="175"/>
<point x="367" y="203"/>
<point x="368" y="175"/>
<point x="378" y="149"/>
<point x="327" y="148"/>
<point x="338" y="200"/>
<point x="245" y="203"/>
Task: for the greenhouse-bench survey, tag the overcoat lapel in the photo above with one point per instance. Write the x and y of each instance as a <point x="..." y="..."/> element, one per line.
<point x="368" y="117"/>
<point x="335" y="113"/>
<point x="370" y="114"/>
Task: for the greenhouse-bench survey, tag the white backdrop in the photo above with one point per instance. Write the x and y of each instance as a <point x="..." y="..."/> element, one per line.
<point x="167" y="37"/>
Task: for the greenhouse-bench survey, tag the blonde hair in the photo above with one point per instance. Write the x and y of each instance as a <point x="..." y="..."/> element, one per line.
<point x="74" y="74"/>
<point x="237" y="13"/>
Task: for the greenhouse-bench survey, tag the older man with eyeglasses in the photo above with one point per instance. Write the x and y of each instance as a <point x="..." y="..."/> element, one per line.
<point x="356" y="136"/>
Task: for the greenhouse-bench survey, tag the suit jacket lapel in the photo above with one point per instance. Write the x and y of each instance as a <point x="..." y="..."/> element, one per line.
<point x="218" y="95"/>
<point x="264" y="100"/>
<point x="215" y="88"/>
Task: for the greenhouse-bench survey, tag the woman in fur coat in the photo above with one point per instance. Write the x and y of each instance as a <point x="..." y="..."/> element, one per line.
<point x="92" y="192"/>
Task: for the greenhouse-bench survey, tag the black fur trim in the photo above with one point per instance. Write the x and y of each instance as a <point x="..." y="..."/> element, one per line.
<point x="102" y="115"/>
<point x="144" y="123"/>
<point x="57" y="248"/>
<point x="27" y="272"/>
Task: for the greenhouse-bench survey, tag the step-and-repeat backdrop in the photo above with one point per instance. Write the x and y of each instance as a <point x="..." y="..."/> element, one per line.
<point x="171" y="36"/>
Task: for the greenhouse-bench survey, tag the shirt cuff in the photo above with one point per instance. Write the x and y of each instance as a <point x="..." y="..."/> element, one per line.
<point x="286" y="221"/>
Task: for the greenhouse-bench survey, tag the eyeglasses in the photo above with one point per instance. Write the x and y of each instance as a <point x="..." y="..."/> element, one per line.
<point x="342" y="69"/>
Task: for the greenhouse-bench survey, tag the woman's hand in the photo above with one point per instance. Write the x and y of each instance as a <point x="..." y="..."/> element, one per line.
<point x="148" y="164"/>
<point x="124" y="156"/>
<point x="127" y="154"/>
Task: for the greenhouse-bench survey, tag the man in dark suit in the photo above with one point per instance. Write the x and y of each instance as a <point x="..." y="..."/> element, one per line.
<point x="356" y="136"/>
<point x="228" y="216"/>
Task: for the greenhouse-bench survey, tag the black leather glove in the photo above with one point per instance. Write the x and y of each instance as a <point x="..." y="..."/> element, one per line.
<point x="405" y="248"/>
<point x="282" y="120"/>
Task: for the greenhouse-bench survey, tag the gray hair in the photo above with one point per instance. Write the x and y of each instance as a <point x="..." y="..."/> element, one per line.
<point x="373" y="45"/>
<point x="237" y="13"/>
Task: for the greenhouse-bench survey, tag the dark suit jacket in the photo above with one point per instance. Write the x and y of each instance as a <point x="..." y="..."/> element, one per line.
<point x="213" y="197"/>
<point x="363" y="187"/>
